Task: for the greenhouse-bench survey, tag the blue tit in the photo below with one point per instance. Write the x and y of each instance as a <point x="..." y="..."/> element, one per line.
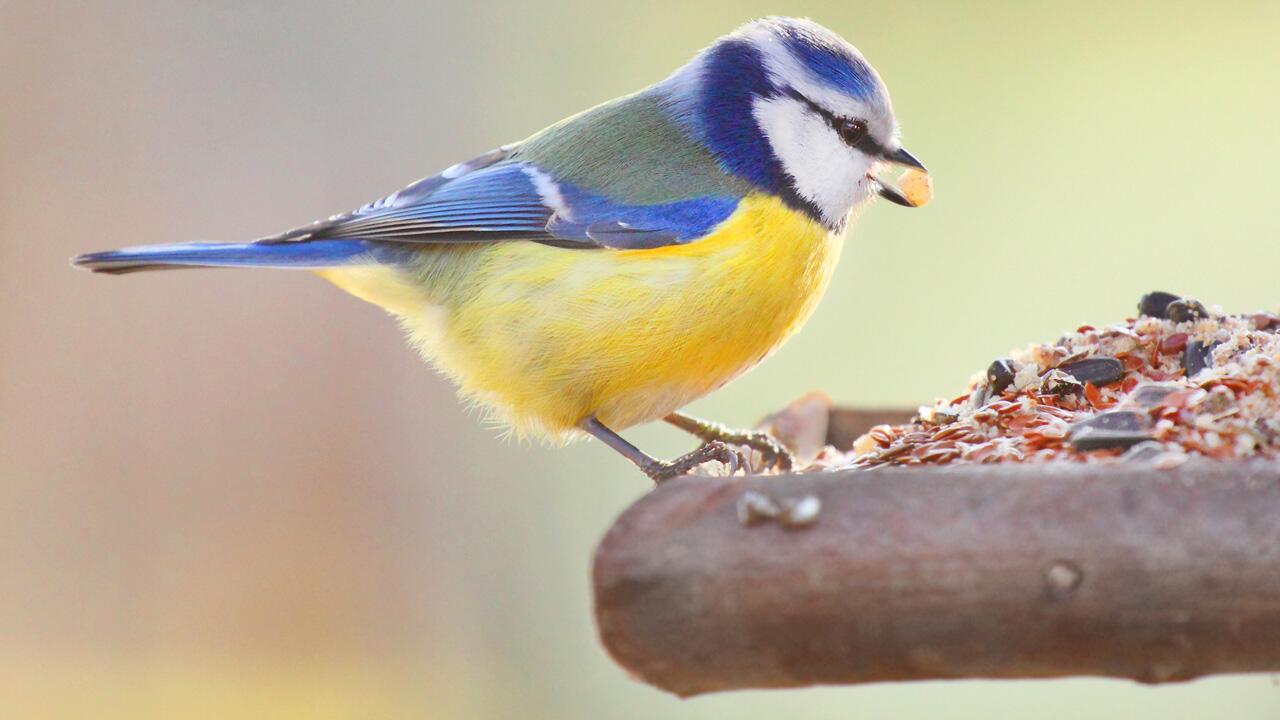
<point x="628" y="260"/>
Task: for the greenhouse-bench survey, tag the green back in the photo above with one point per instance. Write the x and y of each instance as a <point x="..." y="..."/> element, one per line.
<point x="630" y="150"/>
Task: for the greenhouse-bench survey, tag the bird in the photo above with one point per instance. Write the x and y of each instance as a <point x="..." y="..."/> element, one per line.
<point x="616" y="266"/>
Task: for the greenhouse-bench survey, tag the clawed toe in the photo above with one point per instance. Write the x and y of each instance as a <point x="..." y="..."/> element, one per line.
<point x="719" y="444"/>
<point x="772" y="453"/>
<point x="708" y="452"/>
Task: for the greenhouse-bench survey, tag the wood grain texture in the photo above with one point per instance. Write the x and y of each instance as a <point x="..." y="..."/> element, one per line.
<point x="952" y="572"/>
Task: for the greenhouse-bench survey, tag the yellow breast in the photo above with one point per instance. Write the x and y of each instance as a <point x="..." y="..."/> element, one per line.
<point x="545" y="337"/>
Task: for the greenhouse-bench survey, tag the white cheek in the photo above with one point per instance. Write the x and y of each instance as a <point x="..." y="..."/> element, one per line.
<point x="826" y="172"/>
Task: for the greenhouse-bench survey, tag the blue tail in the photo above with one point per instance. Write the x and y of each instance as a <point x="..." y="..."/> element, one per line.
<point x="299" y="255"/>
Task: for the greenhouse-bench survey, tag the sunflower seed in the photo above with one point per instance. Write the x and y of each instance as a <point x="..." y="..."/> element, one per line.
<point x="1000" y="375"/>
<point x="1197" y="357"/>
<point x="1149" y="395"/>
<point x="1186" y="309"/>
<point x="1090" y="439"/>
<point x="1097" y="370"/>
<point x="1156" y="304"/>
<point x="1112" y="421"/>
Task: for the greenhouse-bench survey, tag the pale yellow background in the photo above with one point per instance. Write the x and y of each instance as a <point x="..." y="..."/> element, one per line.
<point x="236" y="494"/>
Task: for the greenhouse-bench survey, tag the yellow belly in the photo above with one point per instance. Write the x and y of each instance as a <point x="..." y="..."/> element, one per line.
<point x="544" y="337"/>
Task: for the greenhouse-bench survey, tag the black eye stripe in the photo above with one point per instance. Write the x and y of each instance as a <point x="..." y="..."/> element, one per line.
<point x="867" y="144"/>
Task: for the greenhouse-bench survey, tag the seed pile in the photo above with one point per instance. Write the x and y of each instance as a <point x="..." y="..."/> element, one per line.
<point x="1174" y="382"/>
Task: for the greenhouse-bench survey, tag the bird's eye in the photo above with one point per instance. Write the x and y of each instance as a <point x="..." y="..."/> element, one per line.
<point x="851" y="131"/>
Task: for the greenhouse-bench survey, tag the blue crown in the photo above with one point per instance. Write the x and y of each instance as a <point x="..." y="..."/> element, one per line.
<point x="735" y="71"/>
<point x="827" y="56"/>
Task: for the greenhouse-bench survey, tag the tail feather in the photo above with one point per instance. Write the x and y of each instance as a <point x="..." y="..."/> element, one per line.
<point x="300" y="255"/>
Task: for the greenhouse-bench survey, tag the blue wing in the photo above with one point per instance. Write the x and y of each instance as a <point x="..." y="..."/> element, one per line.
<point x="493" y="198"/>
<point x="497" y="198"/>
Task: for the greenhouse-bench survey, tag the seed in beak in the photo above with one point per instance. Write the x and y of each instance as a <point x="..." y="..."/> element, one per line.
<point x="916" y="186"/>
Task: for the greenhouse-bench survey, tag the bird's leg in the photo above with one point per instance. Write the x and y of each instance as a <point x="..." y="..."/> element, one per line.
<point x="772" y="451"/>
<point x="656" y="469"/>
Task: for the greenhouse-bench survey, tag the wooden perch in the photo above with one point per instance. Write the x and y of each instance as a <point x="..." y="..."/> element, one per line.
<point x="949" y="572"/>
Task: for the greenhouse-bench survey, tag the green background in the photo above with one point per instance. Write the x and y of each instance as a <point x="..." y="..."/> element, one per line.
<point x="237" y="494"/>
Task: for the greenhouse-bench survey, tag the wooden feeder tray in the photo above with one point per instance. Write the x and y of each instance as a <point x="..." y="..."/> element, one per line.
<point x="969" y="571"/>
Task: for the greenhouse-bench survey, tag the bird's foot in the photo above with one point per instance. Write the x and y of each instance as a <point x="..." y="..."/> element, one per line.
<point x="714" y="450"/>
<point x="773" y="454"/>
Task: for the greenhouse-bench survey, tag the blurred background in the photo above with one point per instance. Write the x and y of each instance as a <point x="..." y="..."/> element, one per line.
<point x="237" y="494"/>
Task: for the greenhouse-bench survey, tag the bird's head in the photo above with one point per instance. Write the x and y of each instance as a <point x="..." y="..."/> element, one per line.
<point x="792" y="108"/>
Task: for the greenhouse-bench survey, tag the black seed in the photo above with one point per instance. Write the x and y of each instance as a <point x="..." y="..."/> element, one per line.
<point x="1097" y="370"/>
<point x="1000" y="375"/>
<point x="1197" y="357"/>
<point x="1185" y="309"/>
<point x="1090" y="439"/>
<point x="1155" y="304"/>
<point x="1150" y="395"/>
<point x="1113" y="421"/>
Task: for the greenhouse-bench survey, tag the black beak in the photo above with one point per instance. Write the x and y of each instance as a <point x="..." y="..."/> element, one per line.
<point x="904" y="158"/>
<point x="890" y="193"/>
